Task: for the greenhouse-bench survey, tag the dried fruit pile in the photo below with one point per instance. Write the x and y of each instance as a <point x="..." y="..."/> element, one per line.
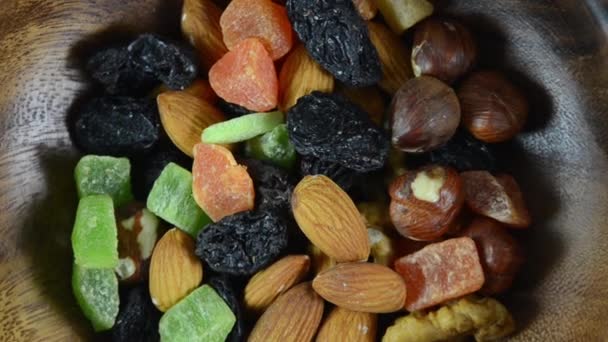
<point x="303" y="172"/>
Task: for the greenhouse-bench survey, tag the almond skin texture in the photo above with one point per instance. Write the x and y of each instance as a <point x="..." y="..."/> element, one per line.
<point x="394" y="57"/>
<point x="346" y="325"/>
<point x="362" y="286"/>
<point x="265" y="286"/>
<point x="301" y="75"/>
<point x="294" y="316"/>
<point x="201" y="26"/>
<point x="330" y="219"/>
<point x="175" y="271"/>
<point x="184" y="117"/>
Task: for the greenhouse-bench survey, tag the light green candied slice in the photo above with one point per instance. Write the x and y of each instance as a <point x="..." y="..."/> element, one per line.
<point x="274" y="147"/>
<point x="95" y="237"/>
<point x="201" y="316"/>
<point x="171" y="199"/>
<point x="242" y="128"/>
<point x="103" y="175"/>
<point x="96" y="291"/>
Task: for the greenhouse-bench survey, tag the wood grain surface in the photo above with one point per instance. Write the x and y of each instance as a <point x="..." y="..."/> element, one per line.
<point x="557" y="51"/>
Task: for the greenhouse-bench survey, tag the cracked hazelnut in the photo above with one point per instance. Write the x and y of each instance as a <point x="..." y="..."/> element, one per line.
<point x="426" y="202"/>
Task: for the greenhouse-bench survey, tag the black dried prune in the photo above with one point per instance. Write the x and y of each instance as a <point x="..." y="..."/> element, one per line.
<point x="113" y="69"/>
<point x="342" y="176"/>
<point x="117" y="126"/>
<point x="138" y="319"/>
<point x="222" y="286"/>
<point x="465" y="153"/>
<point x="273" y="185"/>
<point x="232" y="110"/>
<point x="243" y="243"/>
<point x="337" y="37"/>
<point x="175" y="65"/>
<point x="329" y="127"/>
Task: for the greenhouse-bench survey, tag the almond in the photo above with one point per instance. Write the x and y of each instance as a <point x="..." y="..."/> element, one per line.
<point x="299" y="76"/>
<point x="174" y="269"/>
<point x="184" y="117"/>
<point x="366" y="8"/>
<point x="347" y="325"/>
<point x="330" y="219"/>
<point x="265" y="286"/>
<point x="294" y="316"/>
<point x="202" y="89"/>
<point x="371" y="99"/>
<point x="201" y="26"/>
<point x="362" y="286"/>
<point x="394" y="57"/>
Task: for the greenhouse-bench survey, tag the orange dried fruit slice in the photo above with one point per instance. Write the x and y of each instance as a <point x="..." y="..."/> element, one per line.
<point x="257" y="18"/>
<point x="221" y="187"/>
<point x="246" y="76"/>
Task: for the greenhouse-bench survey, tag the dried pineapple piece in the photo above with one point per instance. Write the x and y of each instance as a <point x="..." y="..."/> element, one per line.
<point x="485" y="318"/>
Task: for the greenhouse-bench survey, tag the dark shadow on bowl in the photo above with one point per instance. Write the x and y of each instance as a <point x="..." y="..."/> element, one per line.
<point x="46" y="234"/>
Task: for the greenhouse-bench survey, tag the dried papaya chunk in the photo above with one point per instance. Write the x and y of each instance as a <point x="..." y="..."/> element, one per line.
<point x="246" y="76"/>
<point x="221" y="187"/>
<point x="258" y="18"/>
<point x="440" y="272"/>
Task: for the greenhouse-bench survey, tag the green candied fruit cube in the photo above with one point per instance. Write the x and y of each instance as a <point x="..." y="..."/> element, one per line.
<point x="102" y="175"/>
<point x="201" y="316"/>
<point x="95" y="237"/>
<point x="242" y="128"/>
<point x="400" y="15"/>
<point x="274" y="147"/>
<point x="96" y="291"/>
<point x="171" y="199"/>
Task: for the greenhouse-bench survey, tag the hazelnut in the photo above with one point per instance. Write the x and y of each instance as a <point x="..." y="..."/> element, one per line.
<point x="493" y="109"/>
<point x="500" y="254"/>
<point x="497" y="197"/>
<point x="137" y="235"/>
<point x="425" y="114"/>
<point x="443" y="48"/>
<point x="425" y="203"/>
<point x="381" y="247"/>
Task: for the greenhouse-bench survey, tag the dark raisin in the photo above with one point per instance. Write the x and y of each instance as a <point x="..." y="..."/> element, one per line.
<point x="465" y="153"/>
<point x="243" y="243"/>
<point x="273" y="185"/>
<point x="138" y="318"/>
<point x="113" y="69"/>
<point x="175" y="65"/>
<point x="329" y="127"/>
<point x="342" y="176"/>
<point x="222" y="286"/>
<point x="232" y="110"/>
<point x="146" y="168"/>
<point x="116" y="126"/>
<point x="337" y="37"/>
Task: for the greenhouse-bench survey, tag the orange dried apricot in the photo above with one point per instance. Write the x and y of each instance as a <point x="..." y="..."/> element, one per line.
<point x="258" y="18"/>
<point x="246" y="76"/>
<point x="221" y="187"/>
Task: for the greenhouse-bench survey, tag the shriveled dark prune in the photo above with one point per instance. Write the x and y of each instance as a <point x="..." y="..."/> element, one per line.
<point x="465" y="153"/>
<point x="342" y="176"/>
<point x="116" y="126"/>
<point x="113" y="69"/>
<point x="243" y="243"/>
<point x="146" y="168"/>
<point x="222" y="286"/>
<point x="337" y="37"/>
<point x="329" y="127"/>
<point x="232" y="110"/>
<point x="273" y="185"/>
<point x="138" y="318"/>
<point x="175" y="65"/>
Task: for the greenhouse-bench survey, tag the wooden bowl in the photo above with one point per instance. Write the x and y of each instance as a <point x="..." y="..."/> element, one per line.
<point x="556" y="50"/>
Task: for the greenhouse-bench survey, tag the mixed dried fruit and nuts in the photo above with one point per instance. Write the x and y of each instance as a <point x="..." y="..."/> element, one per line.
<point x="305" y="175"/>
